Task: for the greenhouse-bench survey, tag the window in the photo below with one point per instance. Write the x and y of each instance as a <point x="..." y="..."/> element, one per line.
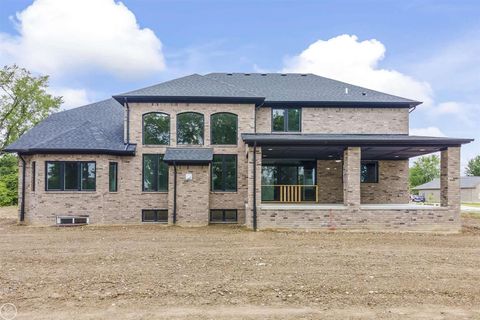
<point x="224" y="128"/>
<point x="190" y="128"/>
<point x="34" y="169"/>
<point x="369" y="172"/>
<point x="286" y="120"/>
<point x="70" y="176"/>
<point x="155" y="173"/>
<point x="72" y="220"/>
<point x="224" y="172"/>
<point x="155" y="216"/>
<point x="223" y="216"/>
<point x="156" y="128"/>
<point x="113" y="177"/>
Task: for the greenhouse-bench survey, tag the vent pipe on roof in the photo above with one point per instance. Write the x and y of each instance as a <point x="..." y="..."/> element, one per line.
<point x="346" y="90"/>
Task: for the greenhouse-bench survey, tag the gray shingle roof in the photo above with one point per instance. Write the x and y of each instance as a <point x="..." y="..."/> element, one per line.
<point x="188" y="155"/>
<point x="284" y="87"/>
<point x="95" y="127"/>
<point x="465" y="183"/>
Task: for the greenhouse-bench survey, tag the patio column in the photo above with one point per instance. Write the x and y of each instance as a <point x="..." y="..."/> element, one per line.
<point x="351" y="176"/>
<point x="257" y="193"/>
<point x="450" y="178"/>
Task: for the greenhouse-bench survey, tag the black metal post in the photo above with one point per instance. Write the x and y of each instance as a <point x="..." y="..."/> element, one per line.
<point x="255" y="186"/>
<point x="22" y="206"/>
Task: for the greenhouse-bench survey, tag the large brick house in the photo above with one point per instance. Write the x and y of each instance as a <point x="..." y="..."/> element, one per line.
<point x="260" y="150"/>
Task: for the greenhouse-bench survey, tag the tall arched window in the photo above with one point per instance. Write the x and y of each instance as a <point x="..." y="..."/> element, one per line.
<point x="224" y="128"/>
<point x="190" y="127"/>
<point x="156" y="128"/>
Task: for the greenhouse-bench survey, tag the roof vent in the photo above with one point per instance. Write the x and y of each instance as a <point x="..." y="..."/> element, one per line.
<point x="303" y="75"/>
<point x="346" y="90"/>
<point x="364" y="93"/>
<point x="283" y="74"/>
<point x="264" y="74"/>
<point x="247" y="74"/>
<point x="229" y="74"/>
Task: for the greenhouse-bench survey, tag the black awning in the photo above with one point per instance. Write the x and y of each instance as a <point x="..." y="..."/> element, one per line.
<point x="188" y="155"/>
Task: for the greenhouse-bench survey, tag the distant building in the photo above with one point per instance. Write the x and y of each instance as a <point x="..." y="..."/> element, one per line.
<point x="469" y="190"/>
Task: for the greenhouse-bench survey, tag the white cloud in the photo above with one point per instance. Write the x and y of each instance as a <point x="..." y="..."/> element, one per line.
<point x="428" y="131"/>
<point x="63" y="36"/>
<point x="347" y="59"/>
<point x="72" y="98"/>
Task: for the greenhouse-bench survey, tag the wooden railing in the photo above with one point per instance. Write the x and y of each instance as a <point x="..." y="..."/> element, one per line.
<point x="292" y="193"/>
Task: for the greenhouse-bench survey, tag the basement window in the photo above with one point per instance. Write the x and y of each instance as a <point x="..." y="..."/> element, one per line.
<point x="223" y="216"/>
<point x="72" y="220"/>
<point x="155" y="216"/>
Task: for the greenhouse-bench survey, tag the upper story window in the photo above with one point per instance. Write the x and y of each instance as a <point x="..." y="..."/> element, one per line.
<point x="286" y="119"/>
<point x="156" y="128"/>
<point x="369" y="172"/>
<point x="70" y="176"/>
<point x="190" y="128"/>
<point x="224" y="128"/>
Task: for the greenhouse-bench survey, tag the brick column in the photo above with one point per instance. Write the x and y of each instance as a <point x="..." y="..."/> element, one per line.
<point x="351" y="176"/>
<point x="450" y="178"/>
<point x="258" y="191"/>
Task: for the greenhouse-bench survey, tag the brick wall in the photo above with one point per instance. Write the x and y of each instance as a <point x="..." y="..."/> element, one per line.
<point x="392" y="186"/>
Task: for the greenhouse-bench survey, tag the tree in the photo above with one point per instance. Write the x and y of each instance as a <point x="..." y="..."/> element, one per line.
<point x="24" y="102"/>
<point x="424" y="169"/>
<point x="473" y="167"/>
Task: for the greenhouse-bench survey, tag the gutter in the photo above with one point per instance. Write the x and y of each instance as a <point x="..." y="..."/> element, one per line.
<point x="22" y="206"/>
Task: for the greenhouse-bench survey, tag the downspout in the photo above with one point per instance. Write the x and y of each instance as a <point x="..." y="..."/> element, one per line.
<point x="22" y="206"/>
<point x="174" y="193"/>
<point x="255" y="186"/>
<point x="128" y="120"/>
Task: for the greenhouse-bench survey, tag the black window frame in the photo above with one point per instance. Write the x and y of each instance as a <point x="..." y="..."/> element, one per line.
<point x="156" y="220"/>
<point x="203" y="129"/>
<point x="143" y="128"/>
<point x="236" y="129"/>
<point x="285" y="122"/>
<point x="62" y="176"/>
<point x="155" y="172"/>
<point x="34" y="173"/>
<point x="115" y="164"/>
<point x="369" y="162"/>
<point x="224" y="165"/>
<point x="223" y="221"/>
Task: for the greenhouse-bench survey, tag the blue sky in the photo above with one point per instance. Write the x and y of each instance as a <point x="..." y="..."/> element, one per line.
<point x="426" y="50"/>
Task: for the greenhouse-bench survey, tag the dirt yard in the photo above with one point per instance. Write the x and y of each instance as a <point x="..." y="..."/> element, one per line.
<point x="156" y="272"/>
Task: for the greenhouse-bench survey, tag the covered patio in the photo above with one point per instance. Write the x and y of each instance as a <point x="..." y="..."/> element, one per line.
<point x="352" y="181"/>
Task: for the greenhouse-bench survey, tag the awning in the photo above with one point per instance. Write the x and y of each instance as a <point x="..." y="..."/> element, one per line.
<point x="331" y="146"/>
<point x="188" y="155"/>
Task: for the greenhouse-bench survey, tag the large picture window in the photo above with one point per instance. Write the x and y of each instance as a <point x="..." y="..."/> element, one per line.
<point x="369" y="172"/>
<point x="156" y="128"/>
<point x="190" y="128"/>
<point x="155" y="173"/>
<point x="224" y="128"/>
<point x="286" y="119"/>
<point x="224" y="172"/>
<point x="70" y="176"/>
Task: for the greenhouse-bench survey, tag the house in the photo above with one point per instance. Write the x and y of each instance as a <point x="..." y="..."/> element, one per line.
<point x="469" y="190"/>
<point x="264" y="150"/>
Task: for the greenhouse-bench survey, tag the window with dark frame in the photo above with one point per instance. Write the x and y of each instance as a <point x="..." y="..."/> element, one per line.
<point x="286" y="119"/>
<point x="155" y="173"/>
<point x="223" y="216"/>
<point x="369" y="172"/>
<point x="156" y="128"/>
<point x="34" y="173"/>
<point x="224" y="172"/>
<point x="155" y="215"/>
<point x="224" y="127"/>
<point x="113" y="177"/>
<point x="70" y="176"/>
<point x="190" y="128"/>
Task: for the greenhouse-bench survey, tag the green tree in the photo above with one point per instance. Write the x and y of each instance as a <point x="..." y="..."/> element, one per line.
<point x="24" y="102"/>
<point x="473" y="167"/>
<point x="424" y="169"/>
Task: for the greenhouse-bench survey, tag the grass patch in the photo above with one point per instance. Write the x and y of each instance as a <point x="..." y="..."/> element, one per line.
<point x="471" y="204"/>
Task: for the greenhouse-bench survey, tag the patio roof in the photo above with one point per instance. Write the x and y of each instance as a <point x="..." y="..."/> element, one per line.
<point x="331" y="146"/>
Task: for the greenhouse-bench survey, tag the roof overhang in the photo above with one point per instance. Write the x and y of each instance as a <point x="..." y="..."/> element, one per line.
<point x="188" y="155"/>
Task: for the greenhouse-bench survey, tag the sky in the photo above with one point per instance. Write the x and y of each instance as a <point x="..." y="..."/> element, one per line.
<point x="93" y="49"/>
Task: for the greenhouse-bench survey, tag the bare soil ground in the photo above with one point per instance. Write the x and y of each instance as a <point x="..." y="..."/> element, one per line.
<point x="156" y="272"/>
